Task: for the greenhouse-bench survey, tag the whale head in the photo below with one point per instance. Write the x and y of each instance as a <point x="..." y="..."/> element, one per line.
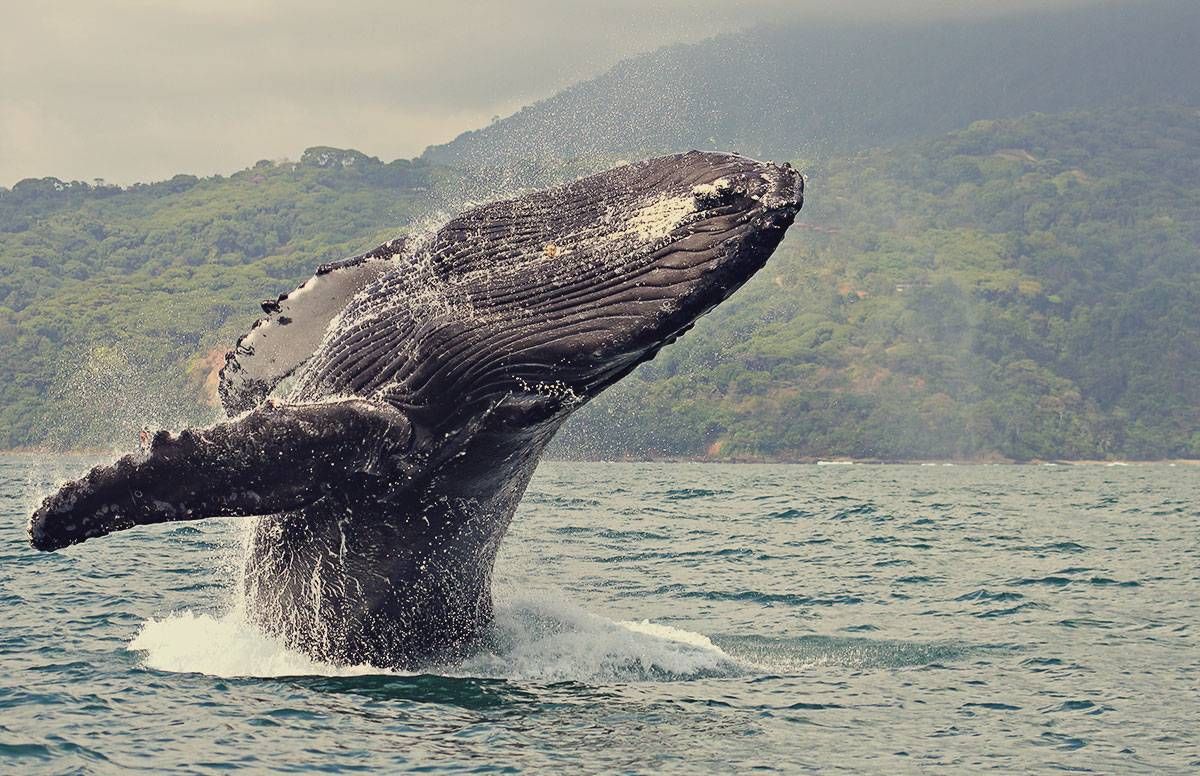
<point x="527" y="308"/>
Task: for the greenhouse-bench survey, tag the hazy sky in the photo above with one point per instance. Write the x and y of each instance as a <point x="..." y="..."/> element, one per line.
<point x="131" y="90"/>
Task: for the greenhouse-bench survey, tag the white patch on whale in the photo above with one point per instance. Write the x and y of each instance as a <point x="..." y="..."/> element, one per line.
<point x="655" y="220"/>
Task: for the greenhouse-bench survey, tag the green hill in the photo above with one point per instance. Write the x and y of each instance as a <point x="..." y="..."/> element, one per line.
<point x="116" y="303"/>
<point x="1021" y="288"/>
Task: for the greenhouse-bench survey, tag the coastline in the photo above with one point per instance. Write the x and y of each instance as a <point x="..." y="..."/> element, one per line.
<point x="842" y="461"/>
<point x="832" y="460"/>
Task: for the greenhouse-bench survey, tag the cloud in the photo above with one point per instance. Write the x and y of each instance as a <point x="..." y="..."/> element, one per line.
<point x="138" y="90"/>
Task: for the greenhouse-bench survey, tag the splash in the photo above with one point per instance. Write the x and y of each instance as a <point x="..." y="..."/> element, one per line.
<point x="550" y="640"/>
<point x="102" y="396"/>
<point x="536" y="640"/>
<point x="227" y="646"/>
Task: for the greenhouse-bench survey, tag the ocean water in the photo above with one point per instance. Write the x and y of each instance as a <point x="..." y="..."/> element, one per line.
<point x="658" y="618"/>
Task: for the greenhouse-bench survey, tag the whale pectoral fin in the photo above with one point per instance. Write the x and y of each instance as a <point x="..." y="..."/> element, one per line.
<point x="294" y="326"/>
<point x="277" y="458"/>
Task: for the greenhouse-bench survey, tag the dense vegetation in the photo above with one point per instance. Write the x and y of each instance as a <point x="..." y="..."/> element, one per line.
<point x="116" y="303"/>
<point x="1021" y="288"/>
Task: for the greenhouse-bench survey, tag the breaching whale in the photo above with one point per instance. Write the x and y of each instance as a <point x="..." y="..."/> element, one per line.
<point x="425" y="378"/>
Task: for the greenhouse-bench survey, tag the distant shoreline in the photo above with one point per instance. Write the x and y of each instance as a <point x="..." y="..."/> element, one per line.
<point x="798" y="461"/>
<point x="837" y="461"/>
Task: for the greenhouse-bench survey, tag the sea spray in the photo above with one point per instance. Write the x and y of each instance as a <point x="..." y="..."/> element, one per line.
<point x="539" y="639"/>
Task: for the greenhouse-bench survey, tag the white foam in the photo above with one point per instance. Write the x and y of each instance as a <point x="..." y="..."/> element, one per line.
<point x="536" y="640"/>
<point x="550" y="640"/>
<point x="226" y="646"/>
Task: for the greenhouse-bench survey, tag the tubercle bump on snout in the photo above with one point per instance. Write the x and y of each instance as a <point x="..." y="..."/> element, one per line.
<point x="784" y="188"/>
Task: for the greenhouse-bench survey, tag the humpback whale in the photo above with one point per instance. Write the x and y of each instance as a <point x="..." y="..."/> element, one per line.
<point x="386" y="416"/>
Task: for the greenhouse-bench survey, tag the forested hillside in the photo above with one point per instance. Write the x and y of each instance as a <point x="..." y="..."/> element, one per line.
<point x="1020" y="288"/>
<point x="814" y="89"/>
<point x="1023" y="288"/>
<point x="115" y="304"/>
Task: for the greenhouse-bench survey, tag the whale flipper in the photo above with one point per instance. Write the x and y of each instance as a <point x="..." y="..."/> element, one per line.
<point x="277" y="458"/>
<point x="294" y="325"/>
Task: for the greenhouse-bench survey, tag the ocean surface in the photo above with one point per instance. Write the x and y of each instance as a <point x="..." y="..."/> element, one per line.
<point x="658" y="618"/>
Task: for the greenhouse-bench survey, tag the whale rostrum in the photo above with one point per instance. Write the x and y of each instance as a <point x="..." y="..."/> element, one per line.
<point x="426" y="378"/>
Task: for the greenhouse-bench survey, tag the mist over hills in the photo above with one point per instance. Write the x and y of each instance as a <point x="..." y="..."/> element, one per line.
<point x="806" y="91"/>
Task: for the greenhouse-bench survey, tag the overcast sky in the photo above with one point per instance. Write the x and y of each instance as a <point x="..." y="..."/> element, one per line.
<point x="134" y="90"/>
